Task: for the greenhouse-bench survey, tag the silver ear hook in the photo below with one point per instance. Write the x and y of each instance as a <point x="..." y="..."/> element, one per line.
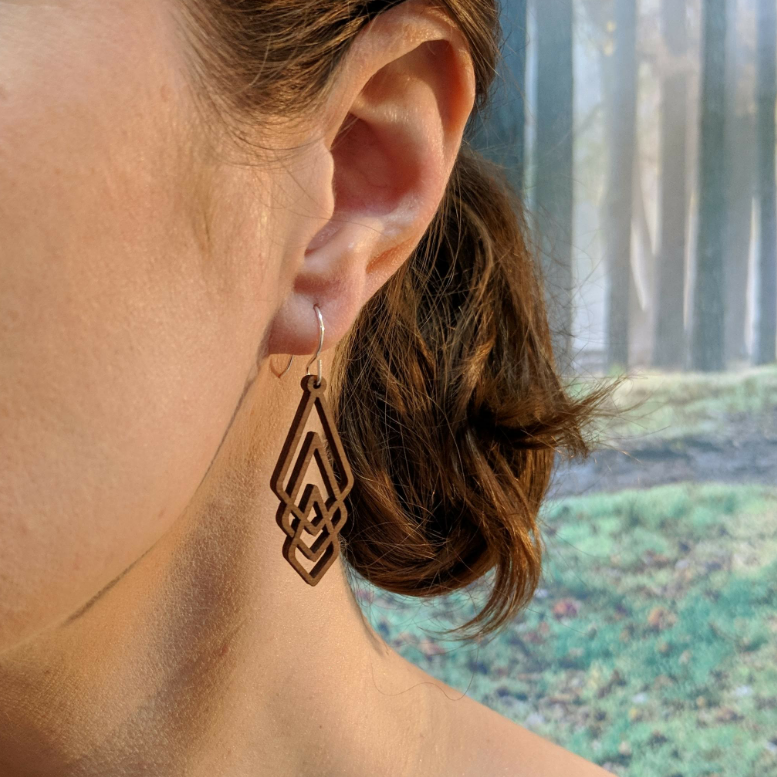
<point x="320" y="345"/>
<point x="288" y="366"/>
<point x="318" y="351"/>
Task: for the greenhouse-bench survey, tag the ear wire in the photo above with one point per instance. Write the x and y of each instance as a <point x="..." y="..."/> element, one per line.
<point x="320" y="345"/>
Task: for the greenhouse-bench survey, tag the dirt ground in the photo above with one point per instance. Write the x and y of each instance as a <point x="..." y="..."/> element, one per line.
<point x="742" y="449"/>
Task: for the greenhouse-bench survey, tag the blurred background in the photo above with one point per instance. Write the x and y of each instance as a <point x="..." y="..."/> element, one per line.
<point x="641" y="136"/>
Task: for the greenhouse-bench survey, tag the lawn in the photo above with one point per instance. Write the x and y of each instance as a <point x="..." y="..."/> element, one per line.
<point x="651" y="406"/>
<point x="649" y="647"/>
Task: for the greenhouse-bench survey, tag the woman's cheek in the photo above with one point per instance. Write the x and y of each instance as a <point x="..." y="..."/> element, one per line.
<point x="119" y="366"/>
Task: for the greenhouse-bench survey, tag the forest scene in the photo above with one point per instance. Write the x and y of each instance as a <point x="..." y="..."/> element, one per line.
<point x="640" y="135"/>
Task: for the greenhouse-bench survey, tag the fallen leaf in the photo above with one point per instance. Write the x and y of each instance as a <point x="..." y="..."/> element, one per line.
<point x="660" y="618"/>
<point x="566" y="608"/>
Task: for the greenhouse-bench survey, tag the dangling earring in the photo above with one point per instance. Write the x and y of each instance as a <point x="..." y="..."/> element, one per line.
<point x="330" y="513"/>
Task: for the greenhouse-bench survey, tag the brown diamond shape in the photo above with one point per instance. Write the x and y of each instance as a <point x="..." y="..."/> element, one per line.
<point x="330" y="512"/>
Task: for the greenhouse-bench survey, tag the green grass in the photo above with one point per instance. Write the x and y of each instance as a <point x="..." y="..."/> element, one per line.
<point x="659" y="406"/>
<point x="650" y="645"/>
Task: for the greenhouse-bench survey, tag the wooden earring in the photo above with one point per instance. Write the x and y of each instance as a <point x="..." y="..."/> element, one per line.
<point x="330" y="511"/>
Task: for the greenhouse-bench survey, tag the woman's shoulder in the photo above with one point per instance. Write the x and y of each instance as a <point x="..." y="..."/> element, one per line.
<point x="483" y="743"/>
<point x="491" y="745"/>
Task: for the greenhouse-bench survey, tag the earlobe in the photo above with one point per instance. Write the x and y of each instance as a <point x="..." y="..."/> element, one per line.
<point x="402" y="100"/>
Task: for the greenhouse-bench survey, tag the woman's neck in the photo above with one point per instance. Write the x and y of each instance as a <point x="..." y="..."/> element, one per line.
<point x="210" y="655"/>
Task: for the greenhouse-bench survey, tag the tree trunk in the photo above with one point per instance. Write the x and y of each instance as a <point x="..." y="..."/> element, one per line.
<point x="767" y="260"/>
<point x="622" y="124"/>
<point x="554" y="189"/>
<point x="500" y="134"/>
<point x="740" y="153"/>
<point x="643" y="268"/>
<point x="515" y="58"/>
<point x="669" y="351"/>
<point x="739" y="232"/>
<point x="708" y="333"/>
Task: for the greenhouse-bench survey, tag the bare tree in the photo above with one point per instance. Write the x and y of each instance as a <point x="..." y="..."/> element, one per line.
<point x="767" y="97"/>
<point x="501" y="133"/>
<point x="554" y="189"/>
<point x="707" y="334"/>
<point x="670" y="292"/>
<point x="621" y="123"/>
<point x="740" y="155"/>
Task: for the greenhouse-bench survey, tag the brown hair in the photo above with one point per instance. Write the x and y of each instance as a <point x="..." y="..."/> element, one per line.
<point x="445" y="391"/>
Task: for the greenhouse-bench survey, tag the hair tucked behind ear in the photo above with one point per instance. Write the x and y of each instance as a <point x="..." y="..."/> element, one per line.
<point x="451" y="410"/>
<point x="445" y="391"/>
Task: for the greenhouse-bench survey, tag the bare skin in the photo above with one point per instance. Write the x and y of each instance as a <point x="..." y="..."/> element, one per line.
<point x="151" y="287"/>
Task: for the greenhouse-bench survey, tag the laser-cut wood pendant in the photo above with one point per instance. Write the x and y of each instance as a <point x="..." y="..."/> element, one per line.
<point x="330" y="512"/>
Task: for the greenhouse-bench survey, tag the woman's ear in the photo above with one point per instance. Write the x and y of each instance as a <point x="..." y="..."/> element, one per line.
<point x="392" y="129"/>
